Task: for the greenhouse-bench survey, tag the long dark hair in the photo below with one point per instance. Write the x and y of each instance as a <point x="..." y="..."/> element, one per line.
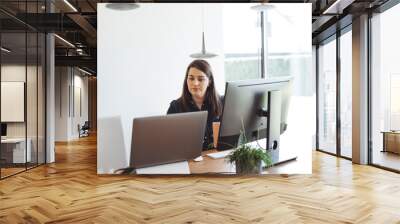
<point x="212" y="98"/>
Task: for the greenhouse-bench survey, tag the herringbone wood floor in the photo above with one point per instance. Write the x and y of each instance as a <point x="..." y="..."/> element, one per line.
<point x="69" y="191"/>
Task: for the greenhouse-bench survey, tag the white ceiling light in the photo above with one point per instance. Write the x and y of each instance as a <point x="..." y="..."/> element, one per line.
<point x="203" y="53"/>
<point x="122" y="6"/>
<point x="65" y="41"/>
<point x="79" y="51"/>
<point x="5" y="50"/>
<point x="70" y="5"/>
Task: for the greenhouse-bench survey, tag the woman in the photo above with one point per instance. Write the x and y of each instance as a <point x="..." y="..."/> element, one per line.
<point x="198" y="94"/>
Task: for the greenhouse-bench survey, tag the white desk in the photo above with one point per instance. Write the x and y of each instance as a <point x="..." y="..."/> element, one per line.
<point x="17" y="146"/>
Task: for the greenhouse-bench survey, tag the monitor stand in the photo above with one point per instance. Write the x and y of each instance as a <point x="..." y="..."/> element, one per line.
<point x="279" y="155"/>
<point x="273" y="116"/>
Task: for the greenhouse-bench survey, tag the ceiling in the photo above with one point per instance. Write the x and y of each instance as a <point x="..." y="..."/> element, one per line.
<point x="76" y="22"/>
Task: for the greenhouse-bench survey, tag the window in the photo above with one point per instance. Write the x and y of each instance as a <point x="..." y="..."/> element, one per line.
<point x="23" y="74"/>
<point x="327" y="96"/>
<point x="385" y="89"/>
<point x="346" y="94"/>
<point x="242" y="42"/>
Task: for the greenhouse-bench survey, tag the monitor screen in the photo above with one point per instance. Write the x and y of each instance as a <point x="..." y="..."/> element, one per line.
<point x="242" y="105"/>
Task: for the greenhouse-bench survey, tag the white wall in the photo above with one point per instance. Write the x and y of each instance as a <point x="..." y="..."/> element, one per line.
<point x="12" y="73"/>
<point x="12" y="99"/>
<point x="61" y="103"/>
<point x="142" y="58"/>
<point x="79" y="117"/>
<point x="67" y="117"/>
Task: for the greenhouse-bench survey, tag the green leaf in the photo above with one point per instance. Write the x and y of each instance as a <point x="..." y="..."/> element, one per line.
<point x="246" y="156"/>
<point x="249" y="157"/>
<point x="242" y="138"/>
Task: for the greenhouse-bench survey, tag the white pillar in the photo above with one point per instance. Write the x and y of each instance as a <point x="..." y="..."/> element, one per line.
<point x="50" y="100"/>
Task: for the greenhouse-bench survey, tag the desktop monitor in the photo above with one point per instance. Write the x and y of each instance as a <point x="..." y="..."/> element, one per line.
<point x="262" y="105"/>
<point x="3" y="129"/>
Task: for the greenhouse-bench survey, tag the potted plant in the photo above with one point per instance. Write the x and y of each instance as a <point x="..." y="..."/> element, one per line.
<point x="248" y="159"/>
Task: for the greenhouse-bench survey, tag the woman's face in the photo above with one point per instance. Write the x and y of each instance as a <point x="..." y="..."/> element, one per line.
<point x="197" y="82"/>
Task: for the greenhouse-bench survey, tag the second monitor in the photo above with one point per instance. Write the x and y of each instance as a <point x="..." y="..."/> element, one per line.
<point x="259" y="106"/>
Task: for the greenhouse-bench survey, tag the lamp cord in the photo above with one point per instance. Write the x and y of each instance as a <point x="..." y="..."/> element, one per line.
<point x="202" y="18"/>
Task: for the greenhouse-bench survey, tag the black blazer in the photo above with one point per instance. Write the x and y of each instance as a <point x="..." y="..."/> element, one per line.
<point x="176" y="107"/>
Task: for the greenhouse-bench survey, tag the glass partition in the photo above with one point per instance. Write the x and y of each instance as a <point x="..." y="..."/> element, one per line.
<point x="13" y="109"/>
<point x="31" y="100"/>
<point x="22" y="90"/>
<point x="327" y="96"/>
<point x="385" y="89"/>
<point x="346" y="94"/>
<point x="41" y="91"/>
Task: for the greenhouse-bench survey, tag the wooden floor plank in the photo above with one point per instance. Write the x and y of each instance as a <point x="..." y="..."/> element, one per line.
<point x="70" y="191"/>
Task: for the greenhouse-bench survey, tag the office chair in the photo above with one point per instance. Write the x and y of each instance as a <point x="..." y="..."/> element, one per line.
<point x="84" y="130"/>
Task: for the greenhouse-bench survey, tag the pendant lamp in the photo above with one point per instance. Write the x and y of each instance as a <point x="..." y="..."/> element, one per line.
<point x="263" y="7"/>
<point x="203" y="53"/>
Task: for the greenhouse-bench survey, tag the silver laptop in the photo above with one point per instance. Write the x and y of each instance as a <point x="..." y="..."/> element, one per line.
<point x="166" y="139"/>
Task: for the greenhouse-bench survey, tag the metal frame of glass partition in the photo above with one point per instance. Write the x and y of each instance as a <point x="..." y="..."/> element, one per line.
<point x="43" y="54"/>
<point x="369" y="77"/>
